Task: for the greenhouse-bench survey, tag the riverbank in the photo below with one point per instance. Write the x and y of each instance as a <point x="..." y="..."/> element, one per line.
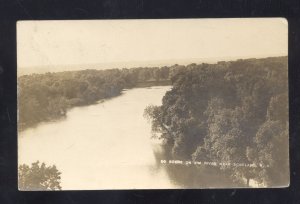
<point x="153" y="83"/>
<point x="61" y="114"/>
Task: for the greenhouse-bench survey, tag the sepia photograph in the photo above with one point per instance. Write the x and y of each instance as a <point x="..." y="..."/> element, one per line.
<point x="152" y="104"/>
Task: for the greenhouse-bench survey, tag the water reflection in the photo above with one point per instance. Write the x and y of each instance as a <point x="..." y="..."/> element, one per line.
<point x="192" y="176"/>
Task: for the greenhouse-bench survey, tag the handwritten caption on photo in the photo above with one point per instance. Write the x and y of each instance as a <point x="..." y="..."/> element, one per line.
<point x="212" y="163"/>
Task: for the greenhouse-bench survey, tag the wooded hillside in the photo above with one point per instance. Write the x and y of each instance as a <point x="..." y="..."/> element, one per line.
<point x="235" y="112"/>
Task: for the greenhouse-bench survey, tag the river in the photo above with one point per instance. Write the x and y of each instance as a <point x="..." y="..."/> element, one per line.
<point x="101" y="146"/>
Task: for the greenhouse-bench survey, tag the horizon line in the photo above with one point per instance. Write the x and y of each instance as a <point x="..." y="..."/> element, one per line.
<point x="215" y="59"/>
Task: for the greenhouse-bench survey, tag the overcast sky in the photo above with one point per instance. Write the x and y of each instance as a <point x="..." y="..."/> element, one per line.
<point x="44" y="43"/>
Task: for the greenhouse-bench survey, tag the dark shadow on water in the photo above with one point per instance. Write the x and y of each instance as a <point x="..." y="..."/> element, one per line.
<point x="192" y="176"/>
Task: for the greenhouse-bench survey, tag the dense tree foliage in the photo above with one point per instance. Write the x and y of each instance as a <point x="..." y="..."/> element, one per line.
<point x="46" y="97"/>
<point x="38" y="177"/>
<point x="235" y="112"/>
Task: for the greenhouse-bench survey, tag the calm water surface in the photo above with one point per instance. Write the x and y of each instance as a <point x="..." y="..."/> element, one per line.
<point x="102" y="146"/>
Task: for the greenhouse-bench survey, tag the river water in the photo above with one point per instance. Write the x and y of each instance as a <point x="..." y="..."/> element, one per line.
<point x="101" y="146"/>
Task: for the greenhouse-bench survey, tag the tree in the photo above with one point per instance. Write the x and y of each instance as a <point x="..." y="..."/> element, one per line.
<point x="272" y="150"/>
<point x="225" y="141"/>
<point x="153" y="114"/>
<point x="38" y="177"/>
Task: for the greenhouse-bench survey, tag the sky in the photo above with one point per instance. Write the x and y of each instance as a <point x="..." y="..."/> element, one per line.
<point x="49" y="43"/>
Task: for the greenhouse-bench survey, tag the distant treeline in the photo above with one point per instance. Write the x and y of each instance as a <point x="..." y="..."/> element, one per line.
<point x="46" y="97"/>
<point x="235" y="112"/>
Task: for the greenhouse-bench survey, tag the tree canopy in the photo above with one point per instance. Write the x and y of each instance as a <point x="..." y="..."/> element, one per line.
<point x="38" y="177"/>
